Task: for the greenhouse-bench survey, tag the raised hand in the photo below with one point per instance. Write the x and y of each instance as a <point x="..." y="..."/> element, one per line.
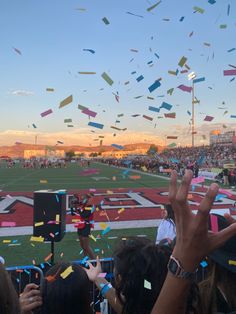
<point x="194" y="241"/>
<point x="93" y="272"/>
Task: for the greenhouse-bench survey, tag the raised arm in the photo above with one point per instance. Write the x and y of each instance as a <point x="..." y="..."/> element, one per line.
<point x="104" y="286"/>
<point x="193" y="243"/>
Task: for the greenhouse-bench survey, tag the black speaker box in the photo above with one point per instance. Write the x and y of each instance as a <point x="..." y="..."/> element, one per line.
<point x="50" y="214"/>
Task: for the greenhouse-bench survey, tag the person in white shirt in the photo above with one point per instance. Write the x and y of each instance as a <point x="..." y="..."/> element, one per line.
<point x="166" y="229"/>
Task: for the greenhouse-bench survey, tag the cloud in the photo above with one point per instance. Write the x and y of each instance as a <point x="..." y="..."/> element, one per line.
<point x="22" y="92"/>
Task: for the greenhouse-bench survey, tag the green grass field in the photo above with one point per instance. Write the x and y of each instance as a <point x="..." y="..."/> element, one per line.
<point x="25" y="251"/>
<point x="19" y="179"/>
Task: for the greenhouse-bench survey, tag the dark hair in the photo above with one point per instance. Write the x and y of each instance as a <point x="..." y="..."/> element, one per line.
<point x="69" y="295"/>
<point x="137" y="260"/>
<point x="170" y="212"/>
<point x="208" y="289"/>
<point x="9" y="302"/>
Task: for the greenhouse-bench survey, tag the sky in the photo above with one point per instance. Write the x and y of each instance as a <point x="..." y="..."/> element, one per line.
<point x="42" y="46"/>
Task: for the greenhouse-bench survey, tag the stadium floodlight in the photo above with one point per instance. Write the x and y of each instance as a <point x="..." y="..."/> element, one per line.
<point x="191" y="77"/>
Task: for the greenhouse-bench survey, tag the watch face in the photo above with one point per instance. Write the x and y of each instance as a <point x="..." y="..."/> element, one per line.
<point x="173" y="266"/>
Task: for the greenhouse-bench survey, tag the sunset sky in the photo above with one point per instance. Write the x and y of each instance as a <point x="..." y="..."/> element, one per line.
<point x="42" y="46"/>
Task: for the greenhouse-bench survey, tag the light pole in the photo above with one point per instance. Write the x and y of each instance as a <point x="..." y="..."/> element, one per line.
<point x="191" y="77"/>
<point x="193" y="115"/>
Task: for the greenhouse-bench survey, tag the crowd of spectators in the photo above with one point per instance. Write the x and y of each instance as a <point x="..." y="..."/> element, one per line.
<point x="182" y="158"/>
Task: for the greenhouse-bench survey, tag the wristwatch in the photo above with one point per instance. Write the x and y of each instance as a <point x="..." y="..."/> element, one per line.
<point x="177" y="270"/>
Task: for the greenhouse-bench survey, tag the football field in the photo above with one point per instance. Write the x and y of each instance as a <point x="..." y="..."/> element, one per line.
<point x="131" y="206"/>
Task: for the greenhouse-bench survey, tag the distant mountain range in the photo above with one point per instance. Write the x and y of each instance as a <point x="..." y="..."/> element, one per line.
<point x="18" y="149"/>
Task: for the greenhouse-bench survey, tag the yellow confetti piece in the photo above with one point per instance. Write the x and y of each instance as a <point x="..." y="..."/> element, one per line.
<point x="109" y="192"/>
<point x="66" y="101"/>
<point x="38" y="224"/>
<point x="93" y="238"/>
<point x="37" y="239"/>
<point x="87" y="208"/>
<point x="232" y="262"/>
<point x="6" y="241"/>
<point x="33" y="245"/>
<point x="57" y="218"/>
<point x="43" y="181"/>
<point x="121" y="210"/>
<point x="76" y="220"/>
<point x="67" y="272"/>
<point x="144" y="168"/>
<point x="103" y="225"/>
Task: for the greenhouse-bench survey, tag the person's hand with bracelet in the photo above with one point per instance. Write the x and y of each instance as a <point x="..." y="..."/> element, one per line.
<point x="105" y="288"/>
<point x="193" y="243"/>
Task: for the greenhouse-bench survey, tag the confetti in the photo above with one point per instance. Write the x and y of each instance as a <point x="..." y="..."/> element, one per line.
<point x="171" y="115"/>
<point x="134" y="14"/>
<point x="147" y="117"/>
<point x="154" y="86"/>
<point x="96" y="125"/>
<point x="49" y="89"/>
<point x="182" y="61"/>
<point x="87" y="73"/>
<point x="166" y="106"/>
<point x="105" y="20"/>
<point x="67" y="272"/>
<point x="67" y="120"/>
<point x="199" y="10"/>
<point x="8" y="224"/>
<point x="107" y="78"/>
<point x="66" y="101"/>
<point x="117" y="146"/>
<point x="90" y="113"/>
<point x="17" y="51"/>
<point x="185" y="88"/>
<point x="46" y="113"/>
<point x="37" y="239"/>
<point x="155" y="109"/>
<point x="140" y="78"/>
<point x="208" y="118"/>
<point x="229" y="72"/>
<point x="153" y="6"/>
<point x="147" y="285"/>
<point x="89" y="50"/>
<point x="231" y="262"/>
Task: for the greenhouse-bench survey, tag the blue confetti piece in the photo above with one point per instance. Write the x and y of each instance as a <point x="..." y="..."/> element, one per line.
<point x="203" y="264"/>
<point x="220" y="196"/>
<point x="42" y="266"/>
<point x="155" y="109"/>
<point x="56" y="233"/>
<point x="193" y="188"/>
<point x="150" y="62"/>
<point x="212" y="1"/>
<point x="158" y="57"/>
<point x="133" y="72"/>
<point x="34" y="126"/>
<point x="232" y="79"/>
<point x="96" y="250"/>
<point x="232" y="49"/>
<point x="154" y="86"/>
<point x="117" y="146"/>
<point x="27" y="272"/>
<point x="90" y="50"/>
<point x="181" y="19"/>
<point x="198" y="80"/>
<point x="228" y="10"/>
<point x="106" y="230"/>
<point x="57" y="198"/>
<point x="189" y="113"/>
<point x="233" y="116"/>
<point x="96" y="125"/>
<point x="166" y="106"/>
<point x="140" y="78"/>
